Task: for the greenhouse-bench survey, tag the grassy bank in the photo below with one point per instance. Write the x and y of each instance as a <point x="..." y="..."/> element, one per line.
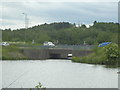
<point x="12" y="52"/>
<point x="107" y="55"/>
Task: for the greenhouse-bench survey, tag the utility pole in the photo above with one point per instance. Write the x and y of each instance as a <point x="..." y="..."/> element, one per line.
<point x="26" y="20"/>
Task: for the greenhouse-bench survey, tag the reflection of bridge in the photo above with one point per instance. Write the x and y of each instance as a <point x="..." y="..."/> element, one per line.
<point x="57" y="52"/>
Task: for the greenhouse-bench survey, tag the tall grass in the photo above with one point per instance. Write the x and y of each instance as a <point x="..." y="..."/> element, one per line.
<point x="12" y="52"/>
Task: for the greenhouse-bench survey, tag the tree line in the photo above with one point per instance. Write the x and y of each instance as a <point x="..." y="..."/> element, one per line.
<point x="65" y="33"/>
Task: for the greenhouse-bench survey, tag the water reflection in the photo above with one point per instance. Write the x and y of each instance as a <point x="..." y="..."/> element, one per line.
<point x="58" y="74"/>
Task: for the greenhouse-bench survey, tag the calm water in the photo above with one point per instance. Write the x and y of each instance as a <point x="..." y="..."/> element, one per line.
<point x="0" y="74"/>
<point x="57" y="74"/>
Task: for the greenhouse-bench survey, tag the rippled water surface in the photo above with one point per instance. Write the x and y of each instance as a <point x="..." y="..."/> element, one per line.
<point x="57" y="74"/>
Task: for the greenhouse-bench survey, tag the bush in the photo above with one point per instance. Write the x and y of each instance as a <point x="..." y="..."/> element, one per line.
<point x="107" y="55"/>
<point x="112" y="51"/>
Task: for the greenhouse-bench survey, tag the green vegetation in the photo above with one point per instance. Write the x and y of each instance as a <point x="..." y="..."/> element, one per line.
<point x="40" y="86"/>
<point x="12" y="52"/>
<point x="65" y="33"/>
<point x="107" y="55"/>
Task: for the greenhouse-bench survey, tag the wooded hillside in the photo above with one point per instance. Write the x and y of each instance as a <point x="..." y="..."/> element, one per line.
<point x="65" y="33"/>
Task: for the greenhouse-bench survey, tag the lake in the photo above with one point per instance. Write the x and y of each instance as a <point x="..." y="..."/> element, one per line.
<point x="57" y="74"/>
<point x="0" y="74"/>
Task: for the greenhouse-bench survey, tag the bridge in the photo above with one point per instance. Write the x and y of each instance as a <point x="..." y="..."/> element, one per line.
<point x="55" y="53"/>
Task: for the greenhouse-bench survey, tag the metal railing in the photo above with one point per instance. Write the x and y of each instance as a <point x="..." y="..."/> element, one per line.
<point x="73" y="47"/>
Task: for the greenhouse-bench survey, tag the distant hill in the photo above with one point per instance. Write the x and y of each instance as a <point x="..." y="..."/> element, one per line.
<point x="53" y="26"/>
<point x="65" y="33"/>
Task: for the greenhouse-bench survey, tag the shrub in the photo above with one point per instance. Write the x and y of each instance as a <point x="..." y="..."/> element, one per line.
<point x="112" y="51"/>
<point x="107" y="55"/>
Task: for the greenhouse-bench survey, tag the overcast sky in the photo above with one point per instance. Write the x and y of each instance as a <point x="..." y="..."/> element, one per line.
<point x="48" y="12"/>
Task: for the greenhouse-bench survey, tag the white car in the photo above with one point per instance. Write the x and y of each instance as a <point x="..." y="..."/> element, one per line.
<point x="4" y="44"/>
<point x="48" y="44"/>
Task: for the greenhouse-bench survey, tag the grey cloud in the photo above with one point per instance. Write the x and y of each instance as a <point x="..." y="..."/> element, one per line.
<point x="62" y="11"/>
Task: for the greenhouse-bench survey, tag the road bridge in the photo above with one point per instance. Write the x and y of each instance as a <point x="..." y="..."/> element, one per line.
<point x="53" y="53"/>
